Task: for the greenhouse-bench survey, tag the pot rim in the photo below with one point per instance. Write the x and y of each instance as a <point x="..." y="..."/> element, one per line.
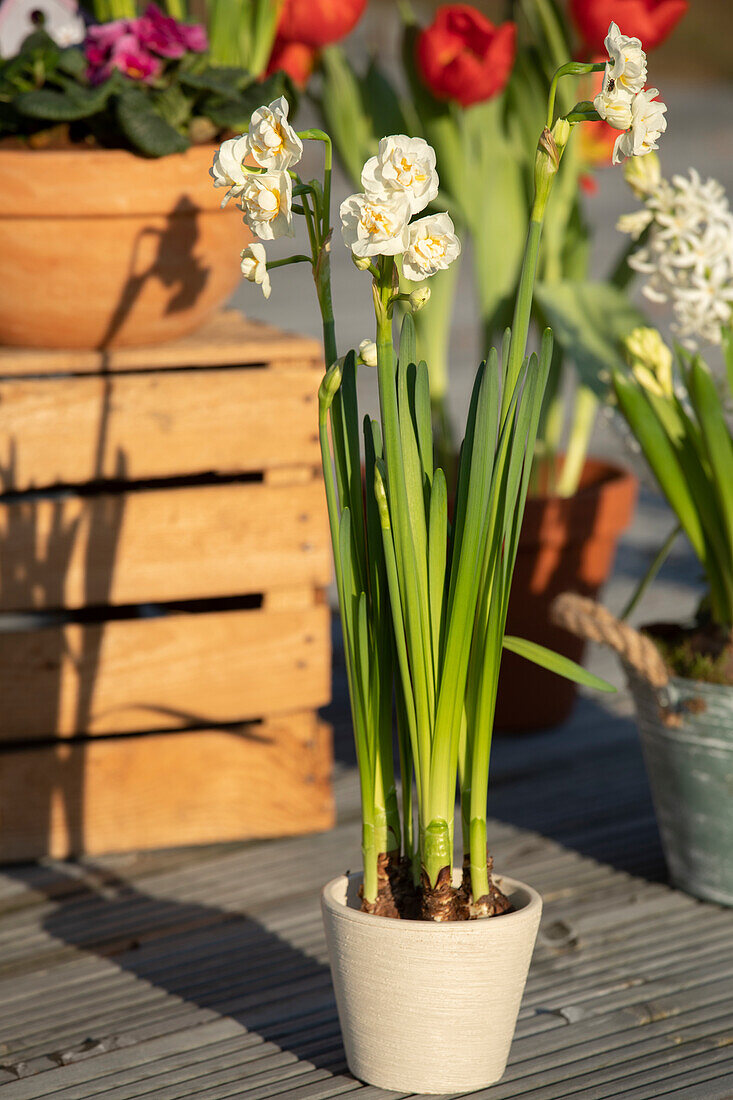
<point x="435" y="928"/>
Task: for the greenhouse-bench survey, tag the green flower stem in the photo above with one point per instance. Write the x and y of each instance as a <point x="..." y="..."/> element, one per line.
<point x="523" y="306"/>
<point x="298" y="259"/>
<point x="321" y="135"/>
<point x="584" y="417"/>
<point x="572" y="68"/>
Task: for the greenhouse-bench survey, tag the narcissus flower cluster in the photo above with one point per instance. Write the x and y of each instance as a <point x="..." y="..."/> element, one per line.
<point x="688" y="251"/>
<point x="398" y="182"/>
<point x="624" y="103"/>
<point x="265" y="193"/>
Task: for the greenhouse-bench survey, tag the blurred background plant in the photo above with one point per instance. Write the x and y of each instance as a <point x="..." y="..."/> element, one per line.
<point x="154" y="79"/>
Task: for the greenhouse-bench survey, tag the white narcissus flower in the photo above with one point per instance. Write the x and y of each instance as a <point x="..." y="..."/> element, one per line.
<point x="371" y="227"/>
<point x="626" y="69"/>
<point x="433" y="246"/>
<point x="368" y="353"/>
<point x="403" y="165"/>
<point x="228" y="168"/>
<point x="615" y="109"/>
<point x="647" y="124"/>
<point x="267" y="205"/>
<point x="254" y="267"/>
<point x="271" y="140"/>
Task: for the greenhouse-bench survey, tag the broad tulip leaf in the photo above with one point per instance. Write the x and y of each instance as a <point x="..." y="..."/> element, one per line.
<point x="590" y="321"/>
<point x="555" y="662"/>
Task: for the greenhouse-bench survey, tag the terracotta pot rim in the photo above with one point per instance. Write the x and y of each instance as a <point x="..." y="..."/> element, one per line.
<point x="606" y="474"/>
<point x="458" y="929"/>
<point x="106" y="183"/>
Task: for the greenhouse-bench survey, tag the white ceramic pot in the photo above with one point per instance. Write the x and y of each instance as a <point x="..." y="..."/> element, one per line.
<point x="428" y="1007"/>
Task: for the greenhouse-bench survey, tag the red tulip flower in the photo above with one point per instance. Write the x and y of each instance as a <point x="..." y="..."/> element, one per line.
<point x="464" y="57"/>
<point x="318" y="22"/>
<point x="294" y="58"/>
<point x="650" y="20"/>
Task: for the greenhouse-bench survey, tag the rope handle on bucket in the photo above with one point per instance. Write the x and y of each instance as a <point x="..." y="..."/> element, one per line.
<point x="590" y="620"/>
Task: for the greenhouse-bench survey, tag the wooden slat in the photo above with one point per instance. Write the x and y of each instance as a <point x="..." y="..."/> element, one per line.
<point x="227" y="339"/>
<point x="164" y="673"/>
<point x="151" y="791"/>
<point x="168" y="424"/>
<point x="163" y="544"/>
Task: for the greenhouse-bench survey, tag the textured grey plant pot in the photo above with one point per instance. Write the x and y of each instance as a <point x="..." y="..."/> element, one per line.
<point x="690" y="767"/>
<point x="428" y="1007"/>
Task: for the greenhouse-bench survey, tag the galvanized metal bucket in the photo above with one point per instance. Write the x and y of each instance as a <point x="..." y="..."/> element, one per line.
<point x="686" y="731"/>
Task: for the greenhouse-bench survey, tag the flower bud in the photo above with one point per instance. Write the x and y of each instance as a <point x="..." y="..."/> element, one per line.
<point x="361" y="263"/>
<point x="380" y="494"/>
<point x="368" y="353"/>
<point x="643" y="174"/>
<point x="650" y="360"/>
<point x="546" y="164"/>
<point x="561" y="133"/>
<point x="419" y="298"/>
<point x="329" y="386"/>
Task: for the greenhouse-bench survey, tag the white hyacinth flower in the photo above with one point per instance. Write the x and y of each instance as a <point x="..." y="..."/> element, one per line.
<point x="266" y="202"/>
<point x="634" y="224"/>
<point x="433" y="246"/>
<point x="228" y="168"/>
<point x="368" y="353"/>
<point x="271" y="140"/>
<point x="254" y="267"/>
<point x="403" y="165"/>
<point x="372" y="227"/>
<point x="687" y="257"/>
<point x="647" y="124"/>
<point x="626" y="68"/>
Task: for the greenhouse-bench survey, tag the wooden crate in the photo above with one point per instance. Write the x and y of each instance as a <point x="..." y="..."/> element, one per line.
<point x="164" y="548"/>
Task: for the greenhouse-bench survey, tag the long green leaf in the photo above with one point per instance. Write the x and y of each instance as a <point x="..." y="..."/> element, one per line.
<point x="437" y="548"/>
<point x="555" y="662"/>
<point x="718" y="443"/>
<point x="661" y="457"/>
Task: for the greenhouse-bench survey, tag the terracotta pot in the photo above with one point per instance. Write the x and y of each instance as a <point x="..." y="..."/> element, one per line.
<point x="101" y="248"/>
<point x="566" y="545"/>
<point x="427" y="1007"/>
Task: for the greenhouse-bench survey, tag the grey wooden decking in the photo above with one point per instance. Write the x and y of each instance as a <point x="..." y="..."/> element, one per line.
<point x="203" y="973"/>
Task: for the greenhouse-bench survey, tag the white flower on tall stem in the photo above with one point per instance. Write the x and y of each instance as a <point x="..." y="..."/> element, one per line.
<point x="433" y="246"/>
<point x="271" y="140"/>
<point x="647" y="124"/>
<point x="403" y="165"/>
<point x="373" y="227"/>
<point x="228" y="168"/>
<point x="266" y="202"/>
<point x="254" y="267"/>
<point x="626" y="69"/>
<point x="615" y="109"/>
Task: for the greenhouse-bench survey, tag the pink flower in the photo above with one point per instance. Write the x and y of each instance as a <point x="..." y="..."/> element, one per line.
<point x="163" y="35"/>
<point x="135" y="46"/>
<point x="116" y="46"/>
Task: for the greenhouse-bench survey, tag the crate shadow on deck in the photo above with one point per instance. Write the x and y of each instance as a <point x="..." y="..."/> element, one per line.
<point x="224" y="962"/>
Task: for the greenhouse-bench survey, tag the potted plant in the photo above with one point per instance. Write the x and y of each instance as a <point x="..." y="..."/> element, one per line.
<point x="102" y="149"/>
<point x="473" y="90"/>
<point x="423" y="604"/>
<point x="675" y="407"/>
